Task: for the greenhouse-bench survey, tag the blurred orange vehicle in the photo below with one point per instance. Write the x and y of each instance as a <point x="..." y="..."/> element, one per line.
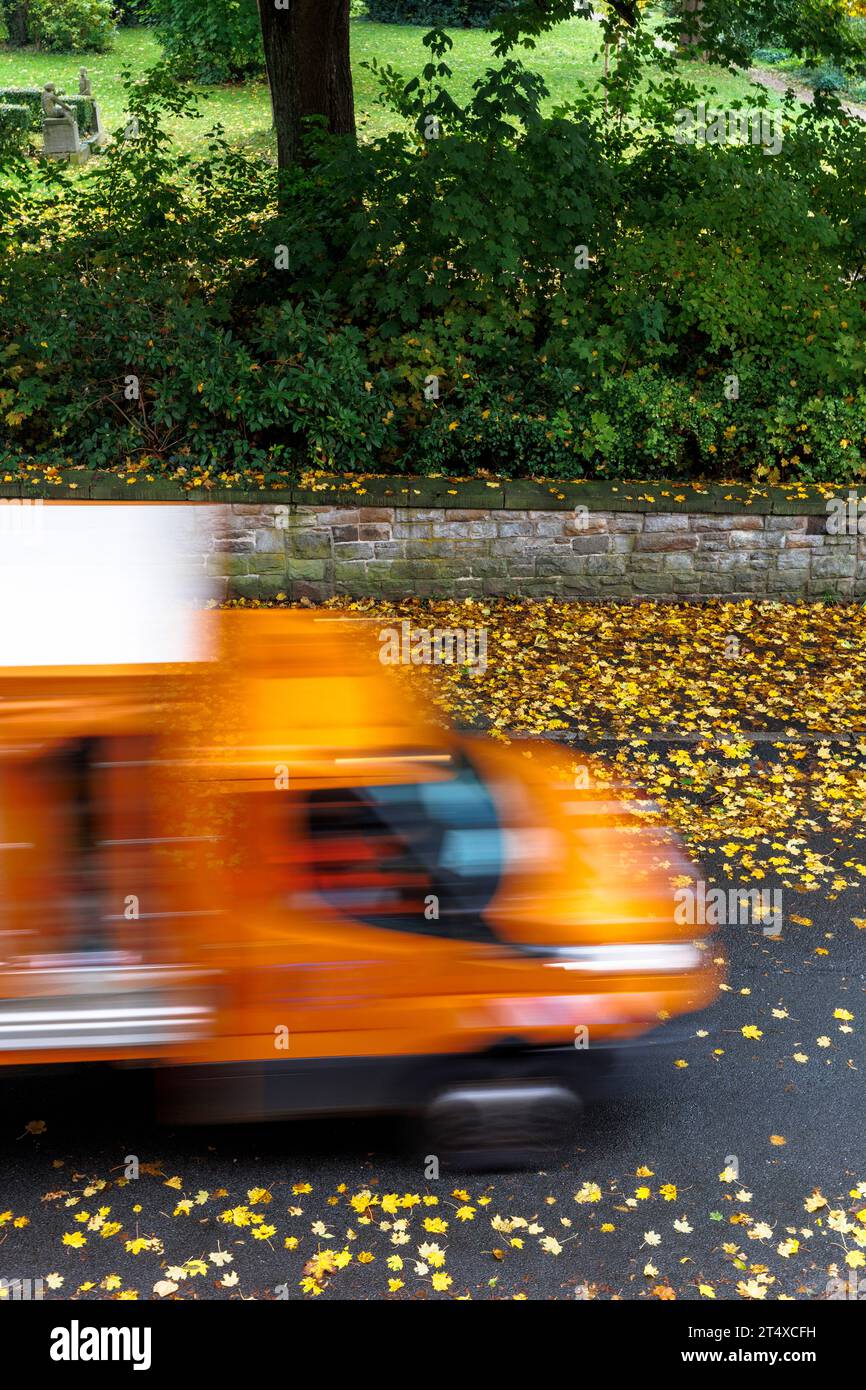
<point x="276" y="877"/>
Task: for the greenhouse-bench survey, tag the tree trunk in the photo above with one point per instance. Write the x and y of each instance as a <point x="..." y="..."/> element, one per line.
<point x="690" y="35"/>
<point x="17" y="20"/>
<point x="307" y="57"/>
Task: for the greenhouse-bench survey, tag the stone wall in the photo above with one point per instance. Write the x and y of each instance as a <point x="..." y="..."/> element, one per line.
<point x="315" y="551"/>
<point x="441" y="537"/>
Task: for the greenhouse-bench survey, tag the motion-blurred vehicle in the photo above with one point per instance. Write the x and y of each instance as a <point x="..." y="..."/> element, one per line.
<point x="272" y="874"/>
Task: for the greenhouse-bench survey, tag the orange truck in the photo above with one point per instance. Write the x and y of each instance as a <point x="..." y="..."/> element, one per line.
<point x="273" y="876"/>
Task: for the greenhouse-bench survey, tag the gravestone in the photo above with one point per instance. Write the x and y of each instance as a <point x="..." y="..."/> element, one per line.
<point x="98" y="135"/>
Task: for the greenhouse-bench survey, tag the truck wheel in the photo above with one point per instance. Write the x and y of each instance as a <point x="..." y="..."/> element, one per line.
<point x="500" y="1124"/>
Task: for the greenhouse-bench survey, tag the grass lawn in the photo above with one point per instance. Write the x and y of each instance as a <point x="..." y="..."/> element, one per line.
<point x="243" y="110"/>
<point x="564" y="57"/>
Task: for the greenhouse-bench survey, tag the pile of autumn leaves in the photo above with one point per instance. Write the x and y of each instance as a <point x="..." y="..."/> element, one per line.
<point x="743" y="723"/>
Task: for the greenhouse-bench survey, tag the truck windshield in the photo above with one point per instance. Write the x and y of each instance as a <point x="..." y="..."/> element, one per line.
<point x="423" y="857"/>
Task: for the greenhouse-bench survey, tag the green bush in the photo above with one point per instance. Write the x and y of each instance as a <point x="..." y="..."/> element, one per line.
<point x="825" y="79"/>
<point x="464" y="13"/>
<point x="14" y="124"/>
<point x="71" y="26"/>
<point x="768" y="57"/>
<point x="29" y="97"/>
<point x="210" y="40"/>
<point x="83" y="108"/>
<point x="716" y="331"/>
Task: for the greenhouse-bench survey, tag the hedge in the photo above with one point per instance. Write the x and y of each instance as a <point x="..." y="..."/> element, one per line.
<point x="14" y="122"/>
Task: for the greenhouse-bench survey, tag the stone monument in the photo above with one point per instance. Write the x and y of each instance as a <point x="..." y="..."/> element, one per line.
<point x="60" y="135"/>
<point x="97" y="135"/>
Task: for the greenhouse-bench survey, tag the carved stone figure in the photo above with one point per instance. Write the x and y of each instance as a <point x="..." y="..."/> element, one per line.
<point x="53" y="108"/>
<point x="85" y="86"/>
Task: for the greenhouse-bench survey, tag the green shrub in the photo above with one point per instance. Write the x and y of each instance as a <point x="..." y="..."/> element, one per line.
<point x="717" y="330"/>
<point x="465" y="13"/>
<point x="768" y="57"/>
<point x="29" y="97"/>
<point x="14" y="124"/>
<point x="83" y="109"/>
<point x="825" y="79"/>
<point x="210" y="40"/>
<point x="71" y="26"/>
